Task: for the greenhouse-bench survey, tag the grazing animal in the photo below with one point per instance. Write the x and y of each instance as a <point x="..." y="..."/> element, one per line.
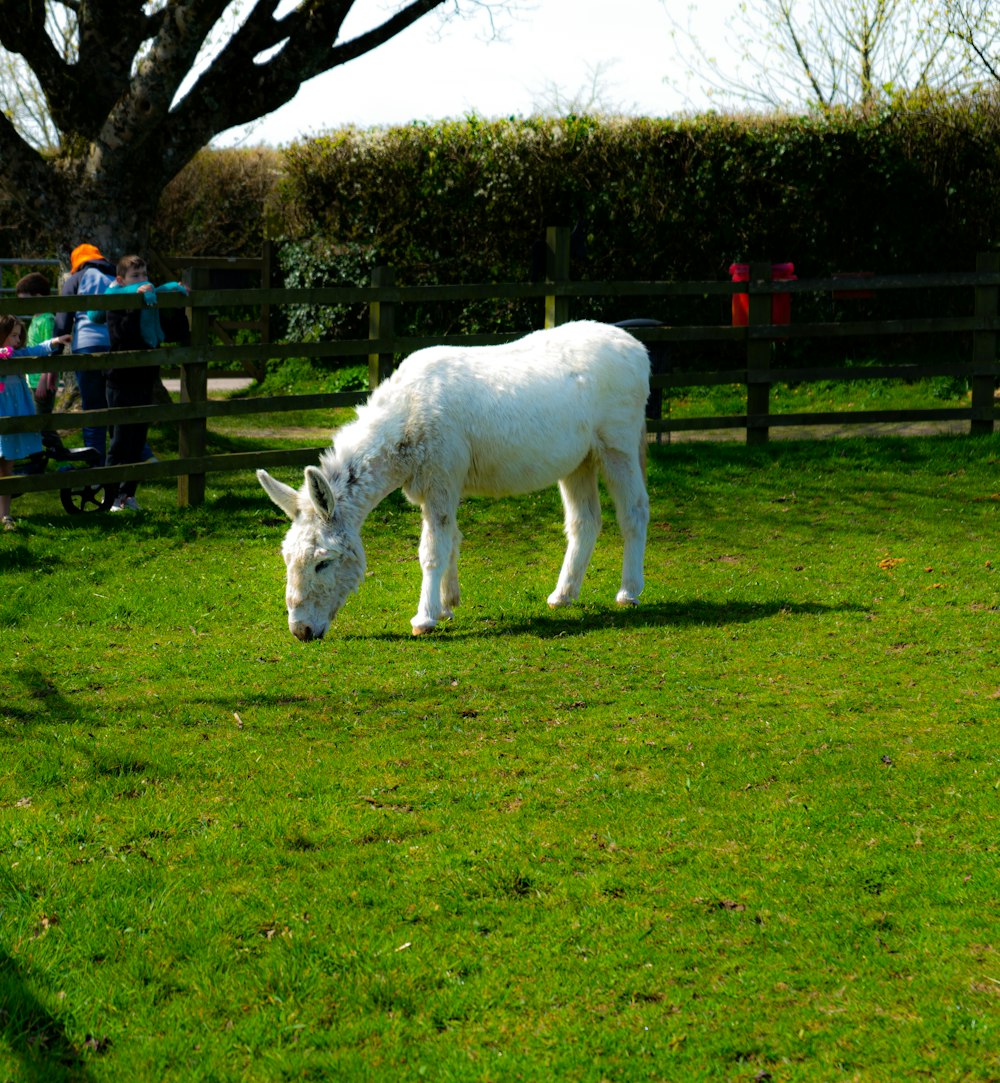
<point x="557" y="405"/>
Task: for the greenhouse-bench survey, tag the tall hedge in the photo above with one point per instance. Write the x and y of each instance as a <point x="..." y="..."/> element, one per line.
<point x="897" y="190"/>
<point x="910" y="188"/>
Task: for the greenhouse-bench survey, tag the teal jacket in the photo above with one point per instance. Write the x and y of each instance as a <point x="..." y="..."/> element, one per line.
<point x="149" y="319"/>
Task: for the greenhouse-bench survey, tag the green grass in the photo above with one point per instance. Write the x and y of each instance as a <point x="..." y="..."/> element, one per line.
<point x="822" y="396"/>
<point x="745" y="831"/>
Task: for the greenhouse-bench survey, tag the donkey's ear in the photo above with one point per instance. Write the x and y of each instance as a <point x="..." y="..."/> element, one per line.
<point x="320" y="492"/>
<point x="283" y="495"/>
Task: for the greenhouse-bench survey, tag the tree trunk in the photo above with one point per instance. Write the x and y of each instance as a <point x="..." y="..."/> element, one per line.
<point x="109" y="214"/>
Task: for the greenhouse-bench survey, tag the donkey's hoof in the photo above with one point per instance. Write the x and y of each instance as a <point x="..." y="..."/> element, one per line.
<point x="559" y="601"/>
<point x="625" y="597"/>
<point x="423" y="628"/>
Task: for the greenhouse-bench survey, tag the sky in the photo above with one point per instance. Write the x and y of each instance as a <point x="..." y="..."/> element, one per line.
<point x="435" y="72"/>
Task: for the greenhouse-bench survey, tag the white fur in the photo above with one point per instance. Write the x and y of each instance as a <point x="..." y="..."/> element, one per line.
<point x="557" y="405"/>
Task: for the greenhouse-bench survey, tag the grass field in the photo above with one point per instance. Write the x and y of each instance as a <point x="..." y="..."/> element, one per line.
<point x="747" y="831"/>
<point x="824" y="395"/>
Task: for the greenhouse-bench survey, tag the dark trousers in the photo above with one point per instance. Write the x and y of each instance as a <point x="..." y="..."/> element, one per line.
<point x="128" y="441"/>
<point x="93" y="390"/>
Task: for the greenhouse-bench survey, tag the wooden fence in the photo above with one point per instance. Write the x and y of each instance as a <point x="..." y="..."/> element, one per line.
<point x="555" y="297"/>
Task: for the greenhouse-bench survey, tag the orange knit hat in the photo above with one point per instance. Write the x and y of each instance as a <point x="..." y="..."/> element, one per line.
<point x="81" y="254"/>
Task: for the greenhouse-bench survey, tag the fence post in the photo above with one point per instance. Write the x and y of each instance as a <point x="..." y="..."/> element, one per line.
<point x="191" y="435"/>
<point x="984" y="350"/>
<point x="266" y="275"/>
<point x="381" y="324"/>
<point x="758" y="358"/>
<point x="557" y="243"/>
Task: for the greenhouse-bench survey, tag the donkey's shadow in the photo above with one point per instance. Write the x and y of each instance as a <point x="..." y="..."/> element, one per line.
<point x="564" y="623"/>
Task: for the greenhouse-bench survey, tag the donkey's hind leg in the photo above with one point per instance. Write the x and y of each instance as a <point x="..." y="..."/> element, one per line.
<point x="582" y="506"/>
<point x="450" y="594"/>
<point x="624" y="475"/>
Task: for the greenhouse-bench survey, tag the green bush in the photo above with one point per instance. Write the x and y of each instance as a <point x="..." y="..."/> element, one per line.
<point x="905" y="189"/>
<point x="215" y="205"/>
<point x="315" y="261"/>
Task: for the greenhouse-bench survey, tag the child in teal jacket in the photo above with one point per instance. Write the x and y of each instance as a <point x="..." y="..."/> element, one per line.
<point x="132" y="329"/>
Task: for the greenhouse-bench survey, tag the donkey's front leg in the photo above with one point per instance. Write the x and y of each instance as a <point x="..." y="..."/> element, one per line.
<point x="437" y="539"/>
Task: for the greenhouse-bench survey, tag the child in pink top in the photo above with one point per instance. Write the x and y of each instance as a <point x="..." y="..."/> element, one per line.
<point x="16" y="401"/>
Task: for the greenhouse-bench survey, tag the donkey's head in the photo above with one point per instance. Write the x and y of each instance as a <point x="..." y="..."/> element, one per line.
<point x="324" y="558"/>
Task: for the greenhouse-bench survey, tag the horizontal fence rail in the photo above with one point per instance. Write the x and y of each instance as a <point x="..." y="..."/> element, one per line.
<point x="753" y="342"/>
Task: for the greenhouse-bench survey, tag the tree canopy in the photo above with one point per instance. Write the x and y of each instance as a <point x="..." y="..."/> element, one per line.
<point x="129" y="96"/>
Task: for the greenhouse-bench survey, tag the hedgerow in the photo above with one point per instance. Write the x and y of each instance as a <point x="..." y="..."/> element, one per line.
<point x="897" y="189"/>
<point x="904" y="188"/>
<point x="215" y="206"/>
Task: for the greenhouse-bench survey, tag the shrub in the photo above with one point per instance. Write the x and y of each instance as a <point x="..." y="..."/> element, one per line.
<point x="215" y="205"/>
<point x="900" y="189"/>
<point x="315" y="261"/>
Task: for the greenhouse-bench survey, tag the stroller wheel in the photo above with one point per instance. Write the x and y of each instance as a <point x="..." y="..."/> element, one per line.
<point x="87" y="498"/>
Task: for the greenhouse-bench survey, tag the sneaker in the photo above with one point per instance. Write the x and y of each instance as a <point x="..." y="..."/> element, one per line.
<point x="126" y="503"/>
<point x="8" y="523"/>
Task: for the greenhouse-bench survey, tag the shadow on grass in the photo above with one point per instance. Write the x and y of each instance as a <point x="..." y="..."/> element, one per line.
<point x="21" y="558"/>
<point x="578" y="622"/>
<point x="42" y="701"/>
<point x="33" y="1034"/>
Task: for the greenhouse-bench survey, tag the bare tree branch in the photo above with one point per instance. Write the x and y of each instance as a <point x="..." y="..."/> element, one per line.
<point x="976" y="25"/>
<point x="141" y="110"/>
<point x="827" y="53"/>
<point x="310" y="46"/>
<point x="824" y="97"/>
<point x="590" y="99"/>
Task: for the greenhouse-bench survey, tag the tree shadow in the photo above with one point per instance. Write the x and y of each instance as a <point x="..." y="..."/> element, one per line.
<point x="45" y="703"/>
<point x="21" y="559"/>
<point x="33" y="1034"/>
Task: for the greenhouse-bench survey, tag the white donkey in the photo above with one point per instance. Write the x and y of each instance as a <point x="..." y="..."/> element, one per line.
<point x="557" y="405"/>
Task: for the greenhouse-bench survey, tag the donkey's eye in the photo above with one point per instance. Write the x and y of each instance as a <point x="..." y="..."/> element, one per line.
<point x="323" y="565"/>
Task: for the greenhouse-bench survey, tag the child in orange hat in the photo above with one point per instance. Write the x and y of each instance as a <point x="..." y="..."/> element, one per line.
<point x="90" y="274"/>
<point x="83" y="253"/>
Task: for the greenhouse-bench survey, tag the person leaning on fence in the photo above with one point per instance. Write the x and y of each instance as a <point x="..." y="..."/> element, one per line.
<point x="90" y="274"/>
<point x="41" y="329"/>
<point x="16" y="401"/>
<point x="141" y="328"/>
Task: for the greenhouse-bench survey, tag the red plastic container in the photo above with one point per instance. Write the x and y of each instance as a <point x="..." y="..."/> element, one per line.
<point x="781" y="303"/>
